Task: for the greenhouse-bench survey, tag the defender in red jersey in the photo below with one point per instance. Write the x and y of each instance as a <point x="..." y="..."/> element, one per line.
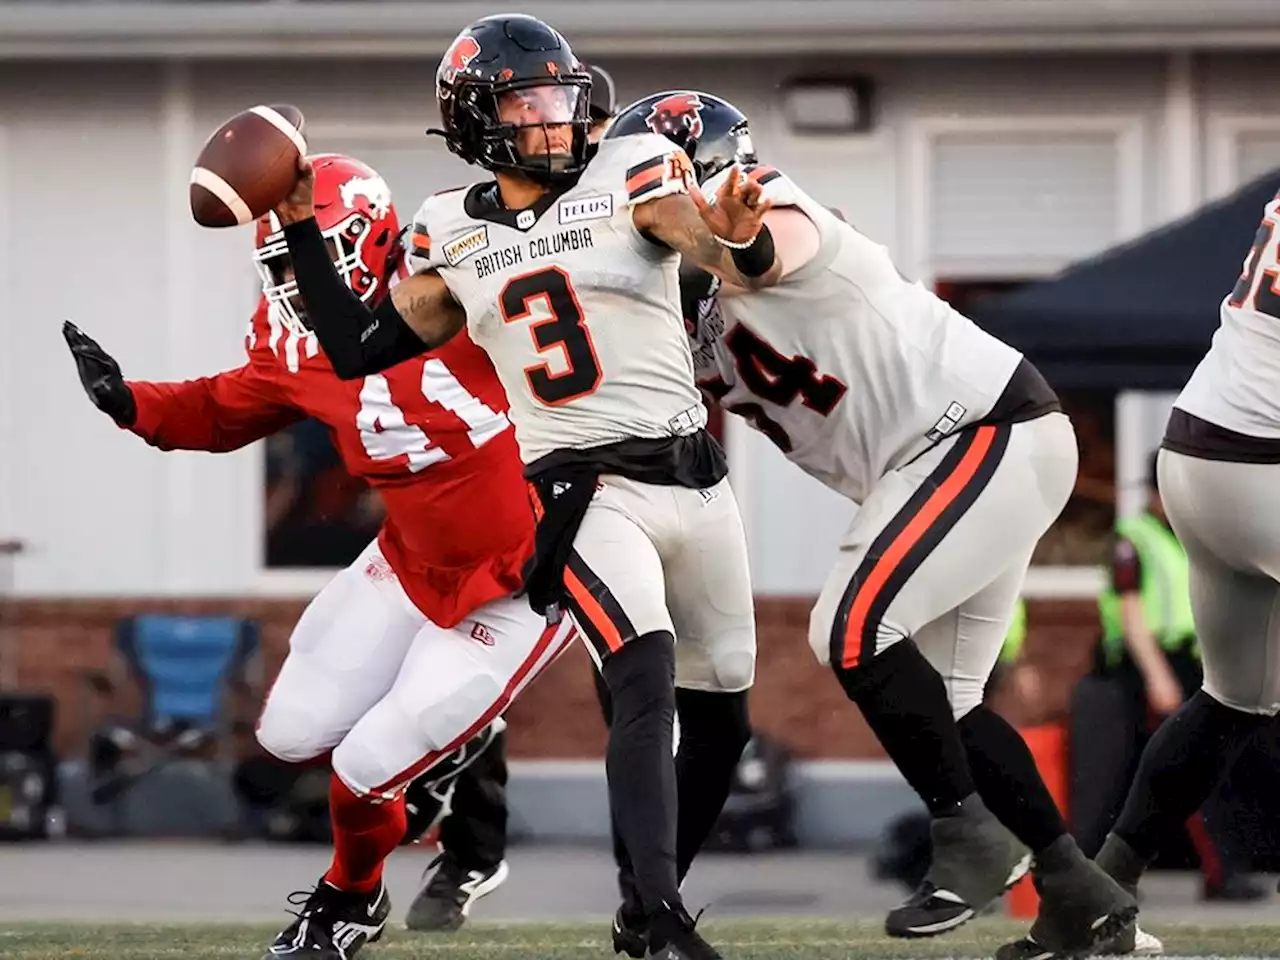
<point x="418" y="645"/>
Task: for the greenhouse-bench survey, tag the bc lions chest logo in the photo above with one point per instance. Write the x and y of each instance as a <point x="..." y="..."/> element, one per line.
<point x="679" y="113"/>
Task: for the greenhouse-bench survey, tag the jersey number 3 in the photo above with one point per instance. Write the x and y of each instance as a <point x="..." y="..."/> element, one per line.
<point x="563" y="330"/>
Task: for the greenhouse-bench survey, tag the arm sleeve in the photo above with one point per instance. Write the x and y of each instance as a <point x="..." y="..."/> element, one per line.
<point x="358" y="341"/>
<point x="216" y="414"/>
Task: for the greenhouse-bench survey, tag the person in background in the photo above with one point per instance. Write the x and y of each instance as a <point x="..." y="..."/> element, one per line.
<point x="1146" y="664"/>
<point x="473" y="833"/>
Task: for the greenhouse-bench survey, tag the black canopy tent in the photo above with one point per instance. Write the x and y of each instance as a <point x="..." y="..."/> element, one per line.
<point x="1138" y="316"/>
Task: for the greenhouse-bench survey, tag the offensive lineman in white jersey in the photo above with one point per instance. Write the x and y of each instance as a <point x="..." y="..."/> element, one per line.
<point x="564" y="270"/>
<point x="959" y="457"/>
<point x="1219" y="477"/>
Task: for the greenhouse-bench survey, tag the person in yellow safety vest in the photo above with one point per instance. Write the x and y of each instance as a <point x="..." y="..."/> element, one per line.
<point x="1146" y="663"/>
<point x="1146" y="610"/>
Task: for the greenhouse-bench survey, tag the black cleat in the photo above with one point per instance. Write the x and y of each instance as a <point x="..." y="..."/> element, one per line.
<point x="333" y="924"/>
<point x="672" y="937"/>
<point x="1082" y="911"/>
<point x="445" y="901"/>
<point x="630" y="934"/>
<point x="1131" y="941"/>
<point x="975" y="860"/>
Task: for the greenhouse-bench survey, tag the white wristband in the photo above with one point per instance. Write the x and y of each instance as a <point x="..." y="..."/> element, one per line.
<point x="735" y="246"/>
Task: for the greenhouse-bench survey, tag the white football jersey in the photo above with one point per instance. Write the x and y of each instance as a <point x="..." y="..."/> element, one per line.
<point x="1237" y="383"/>
<point x="849" y="368"/>
<point x="579" y="313"/>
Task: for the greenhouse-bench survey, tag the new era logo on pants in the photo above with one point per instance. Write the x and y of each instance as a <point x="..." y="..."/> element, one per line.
<point x="481" y="635"/>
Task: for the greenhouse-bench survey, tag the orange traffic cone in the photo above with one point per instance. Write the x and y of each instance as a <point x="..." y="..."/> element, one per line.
<point x="1048" y="745"/>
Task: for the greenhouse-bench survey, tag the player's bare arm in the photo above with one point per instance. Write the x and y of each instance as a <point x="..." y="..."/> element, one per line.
<point x="427" y="306"/>
<point x="419" y="315"/>
<point x="795" y="238"/>
<point x="690" y="225"/>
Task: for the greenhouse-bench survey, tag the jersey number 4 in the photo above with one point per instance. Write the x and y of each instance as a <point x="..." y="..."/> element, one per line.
<point x="563" y="331"/>
<point x="1266" y="298"/>
<point x="779" y="380"/>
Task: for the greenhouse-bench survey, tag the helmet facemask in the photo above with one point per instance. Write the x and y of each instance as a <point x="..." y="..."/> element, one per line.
<point x="345" y="240"/>
<point x="536" y="128"/>
<point x="744" y="154"/>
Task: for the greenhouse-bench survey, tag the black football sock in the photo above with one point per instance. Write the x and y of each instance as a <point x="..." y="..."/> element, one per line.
<point x="714" y="730"/>
<point x="905" y="703"/>
<point x="1008" y="780"/>
<point x="1180" y="766"/>
<point x="641" y="769"/>
<point x="632" y="908"/>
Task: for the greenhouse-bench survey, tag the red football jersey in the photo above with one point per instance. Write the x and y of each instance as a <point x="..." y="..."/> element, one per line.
<point x="431" y="434"/>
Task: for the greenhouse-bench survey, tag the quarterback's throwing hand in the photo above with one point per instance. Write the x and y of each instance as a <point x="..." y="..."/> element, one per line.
<point x="300" y="203"/>
<point x="737" y="212"/>
<point x="100" y="376"/>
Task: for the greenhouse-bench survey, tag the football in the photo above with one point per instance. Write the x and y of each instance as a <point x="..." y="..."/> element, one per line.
<point x="248" y="166"/>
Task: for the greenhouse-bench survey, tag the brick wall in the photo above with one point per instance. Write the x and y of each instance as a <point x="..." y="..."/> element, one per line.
<point x="794" y="698"/>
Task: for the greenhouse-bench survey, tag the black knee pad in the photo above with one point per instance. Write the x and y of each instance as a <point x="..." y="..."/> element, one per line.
<point x="714" y="718"/>
<point x="641" y="676"/>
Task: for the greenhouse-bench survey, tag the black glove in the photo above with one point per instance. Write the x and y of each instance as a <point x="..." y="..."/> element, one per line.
<point x="100" y="376"/>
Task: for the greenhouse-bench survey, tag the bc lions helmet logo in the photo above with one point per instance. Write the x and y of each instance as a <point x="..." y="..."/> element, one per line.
<point x="464" y="50"/>
<point x="676" y="112"/>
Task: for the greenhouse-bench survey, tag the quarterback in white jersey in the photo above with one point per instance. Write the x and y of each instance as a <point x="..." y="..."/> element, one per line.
<point x="564" y="270"/>
<point x="1219" y="478"/>
<point x="959" y="457"/>
<point x="529" y="283"/>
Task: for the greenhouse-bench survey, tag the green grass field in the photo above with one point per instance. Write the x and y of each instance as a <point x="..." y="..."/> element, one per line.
<point x="790" y="939"/>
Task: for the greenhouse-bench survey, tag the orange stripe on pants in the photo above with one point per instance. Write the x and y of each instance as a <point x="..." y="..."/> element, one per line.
<point x="916" y="528"/>
<point x="592" y="610"/>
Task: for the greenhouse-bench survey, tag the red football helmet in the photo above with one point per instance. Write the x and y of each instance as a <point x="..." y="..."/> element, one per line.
<point x="359" y="223"/>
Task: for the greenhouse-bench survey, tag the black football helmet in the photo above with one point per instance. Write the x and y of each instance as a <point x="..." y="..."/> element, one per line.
<point x="498" y="55"/>
<point x="712" y="131"/>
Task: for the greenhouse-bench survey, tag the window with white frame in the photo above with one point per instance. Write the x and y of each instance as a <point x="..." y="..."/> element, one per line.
<point x="1004" y="201"/>
<point x="1021" y="201"/>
